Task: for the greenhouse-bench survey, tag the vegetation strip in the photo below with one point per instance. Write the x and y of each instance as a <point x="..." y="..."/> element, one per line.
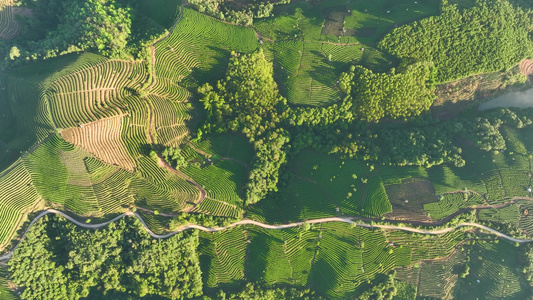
<point x="8" y="255"/>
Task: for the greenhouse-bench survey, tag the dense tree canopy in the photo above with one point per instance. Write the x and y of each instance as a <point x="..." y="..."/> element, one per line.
<point x="238" y="12"/>
<point x="248" y="101"/>
<point x="271" y="154"/>
<point x="256" y="292"/>
<point x="490" y="36"/>
<point x="59" y="260"/>
<point x="101" y="26"/>
<point x="392" y="95"/>
<point x="247" y="98"/>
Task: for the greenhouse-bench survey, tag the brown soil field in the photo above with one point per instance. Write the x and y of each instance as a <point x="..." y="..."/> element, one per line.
<point x="526" y="68"/>
<point x="416" y="192"/>
<point x="335" y="23"/>
<point x="102" y="139"/>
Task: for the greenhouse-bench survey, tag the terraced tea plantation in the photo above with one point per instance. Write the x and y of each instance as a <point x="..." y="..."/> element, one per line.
<point x="259" y="160"/>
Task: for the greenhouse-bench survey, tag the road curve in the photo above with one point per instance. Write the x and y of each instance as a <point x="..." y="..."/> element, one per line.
<point x="349" y="220"/>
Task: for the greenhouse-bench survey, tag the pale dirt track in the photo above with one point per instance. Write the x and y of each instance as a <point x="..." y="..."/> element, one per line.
<point x="8" y="255"/>
<point x="526" y="67"/>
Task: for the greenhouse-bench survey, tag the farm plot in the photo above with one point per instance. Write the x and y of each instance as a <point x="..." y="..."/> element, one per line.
<point x="526" y="218"/>
<point x="315" y="82"/>
<point x="17" y="197"/>
<point x="79" y="190"/>
<point x="93" y="93"/>
<point x="113" y="193"/>
<point x="299" y="247"/>
<point x="423" y="247"/>
<point x="219" y="208"/>
<point x="334" y="21"/>
<point x="266" y="259"/>
<point x="24" y="122"/>
<point x="452" y="202"/>
<point x="6" y="292"/>
<point x="448" y="179"/>
<point x="287" y="61"/>
<point x="397" y="12"/>
<point x="516" y="154"/>
<point x="164" y="12"/>
<point x="305" y="74"/>
<point x="73" y="184"/>
<point x="526" y="137"/>
<point x="9" y="27"/>
<point x="235" y="146"/>
<point x="298" y="21"/>
<point x="160" y="189"/>
<point x="98" y="171"/>
<point x="437" y="278"/>
<point x="324" y="183"/>
<point x="157" y="224"/>
<point x="367" y="22"/>
<point x="515" y="182"/>
<point x="365" y="27"/>
<point x="169" y="121"/>
<point x="338" y="264"/>
<point x="197" y="38"/>
<point x="135" y="126"/>
<point x="506" y="215"/>
<point x="494" y="273"/>
<point x="222" y="180"/>
<point x="102" y="138"/>
<point x="409" y="276"/>
<point x="342" y="56"/>
<point x="346" y="257"/>
<point x="222" y="256"/>
<point x="408" y="199"/>
<point x="45" y="163"/>
<point x="375" y="199"/>
<point x="495" y="189"/>
<point x="325" y="186"/>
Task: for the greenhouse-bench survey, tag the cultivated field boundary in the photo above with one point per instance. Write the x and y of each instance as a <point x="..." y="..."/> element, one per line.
<point x="349" y="220"/>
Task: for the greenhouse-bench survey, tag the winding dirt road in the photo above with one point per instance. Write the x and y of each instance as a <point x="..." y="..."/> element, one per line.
<point x="349" y="220"/>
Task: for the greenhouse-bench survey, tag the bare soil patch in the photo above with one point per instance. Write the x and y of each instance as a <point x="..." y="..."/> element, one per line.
<point x="526" y="68"/>
<point x="365" y="32"/>
<point x="408" y="199"/>
<point x="334" y="23"/>
<point x="102" y="139"/>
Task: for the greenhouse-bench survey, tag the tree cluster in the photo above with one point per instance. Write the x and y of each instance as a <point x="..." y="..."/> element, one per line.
<point x="382" y="288"/>
<point x="113" y="28"/>
<point x="174" y="157"/>
<point x="489" y="36"/>
<point x="59" y="260"/>
<point x="200" y="219"/>
<point x="257" y="292"/>
<point x="271" y="154"/>
<point x="528" y="268"/>
<point x="60" y="27"/>
<point x="394" y="95"/>
<point x="237" y="12"/>
<point x="248" y="101"/>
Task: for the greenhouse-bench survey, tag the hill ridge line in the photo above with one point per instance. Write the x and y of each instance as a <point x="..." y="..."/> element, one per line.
<point x="349" y="220"/>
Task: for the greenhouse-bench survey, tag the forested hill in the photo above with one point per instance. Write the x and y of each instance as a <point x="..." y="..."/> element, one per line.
<point x="490" y="36"/>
